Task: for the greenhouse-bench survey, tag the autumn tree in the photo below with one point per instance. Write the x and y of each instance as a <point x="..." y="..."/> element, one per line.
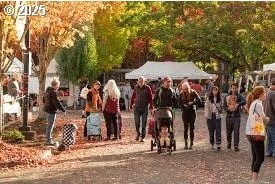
<point x="111" y="38"/>
<point x="10" y="43"/>
<point x="58" y="29"/>
<point x="99" y="50"/>
<point x="239" y="34"/>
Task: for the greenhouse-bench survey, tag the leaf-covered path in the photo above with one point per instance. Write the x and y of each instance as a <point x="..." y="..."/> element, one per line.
<point x="127" y="161"/>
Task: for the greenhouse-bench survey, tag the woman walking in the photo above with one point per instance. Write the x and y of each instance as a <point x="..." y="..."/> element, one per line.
<point x="188" y="100"/>
<point x="255" y="129"/>
<point x="213" y="110"/>
<point x="93" y="103"/>
<point x="111" y="109"/>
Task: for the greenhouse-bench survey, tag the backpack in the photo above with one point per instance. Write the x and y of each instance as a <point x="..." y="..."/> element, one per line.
<point x="84" y="92"/>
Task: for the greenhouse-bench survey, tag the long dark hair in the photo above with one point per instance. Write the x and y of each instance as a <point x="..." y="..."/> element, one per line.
<point x="211" y="95"/>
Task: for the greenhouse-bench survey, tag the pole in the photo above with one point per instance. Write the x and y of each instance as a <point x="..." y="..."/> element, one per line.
<point x="26" y="61"/>
<point x="1" y="110"/>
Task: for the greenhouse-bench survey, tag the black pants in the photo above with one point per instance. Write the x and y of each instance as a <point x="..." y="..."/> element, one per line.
<point x="233" y="124"/>
<point x="111" y="122"/>
<point x="257" y="149"/>
<point x="189" y="118"/>
<point x="85" y="126"/>
<point x="214" y="128"/>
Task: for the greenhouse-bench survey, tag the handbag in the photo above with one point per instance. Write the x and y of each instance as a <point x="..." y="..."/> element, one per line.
<point x="151" y="125"/>
<point x="84" y="92"/>
<point x="257" y="128"/>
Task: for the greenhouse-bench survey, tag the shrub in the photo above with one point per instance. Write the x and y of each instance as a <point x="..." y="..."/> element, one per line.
<point x="13" y="136"/>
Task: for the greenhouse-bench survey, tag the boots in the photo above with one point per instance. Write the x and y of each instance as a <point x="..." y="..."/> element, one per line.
<point x="191" y="144"/>
<point x="186" y="144"/>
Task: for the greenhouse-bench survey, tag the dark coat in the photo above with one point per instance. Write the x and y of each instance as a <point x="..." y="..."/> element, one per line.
<point x="51" y="102"/>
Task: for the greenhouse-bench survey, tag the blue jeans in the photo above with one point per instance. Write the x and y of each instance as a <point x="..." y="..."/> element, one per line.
<point x="50" y="120"/>
<point x="270" y="134"/>
<point x="143" y="114"/>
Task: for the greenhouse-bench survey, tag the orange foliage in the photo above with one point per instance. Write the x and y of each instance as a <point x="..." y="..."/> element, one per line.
<point x="61" y="23"/>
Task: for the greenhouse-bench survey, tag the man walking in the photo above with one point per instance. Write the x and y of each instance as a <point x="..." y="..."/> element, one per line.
<point x="51" y="104"/>
<point x="165" y="96"/>
<point x="233" y="103"/>
<point x="141" y="98"/>
<point x="270" y="112"/>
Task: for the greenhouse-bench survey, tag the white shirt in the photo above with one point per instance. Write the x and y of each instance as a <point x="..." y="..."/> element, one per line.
<point x="256" y="108"/>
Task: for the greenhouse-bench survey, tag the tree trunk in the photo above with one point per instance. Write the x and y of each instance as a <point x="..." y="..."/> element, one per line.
<point x="74" y="97"/>
<point x="42" y="81"/>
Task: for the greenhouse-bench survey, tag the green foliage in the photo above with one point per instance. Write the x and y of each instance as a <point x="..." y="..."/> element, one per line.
<point x="240" y="34"/>
<point x="80" y="60"/>
<point x="102" y="48"/>
<point x="111" y="39"/>
<point x="13" y="136"/>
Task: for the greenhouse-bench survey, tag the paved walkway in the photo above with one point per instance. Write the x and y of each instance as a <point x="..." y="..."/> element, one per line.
<point x="127" y="161"/>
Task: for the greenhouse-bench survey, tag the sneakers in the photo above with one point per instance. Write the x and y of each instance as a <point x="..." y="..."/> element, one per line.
<point x="236" y="149"/>
<point x="218" y="147"/>
<point x="212" y="146"/>
<point x="141" y="140"/>
<point x="137" y="138"/>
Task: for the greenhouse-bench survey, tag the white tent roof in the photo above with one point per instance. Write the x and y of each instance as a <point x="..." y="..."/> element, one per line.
<point x="267" y="67"/>
<point x="16" y="66"/>
<point x="176" y="70"/>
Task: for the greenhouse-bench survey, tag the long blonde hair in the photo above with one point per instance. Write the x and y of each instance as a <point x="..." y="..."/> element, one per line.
<point x="112" y="89"/>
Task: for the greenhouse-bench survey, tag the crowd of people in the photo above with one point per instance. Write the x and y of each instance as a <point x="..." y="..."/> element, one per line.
<point x="11" y="86"/>
<point x="143" y="99"/>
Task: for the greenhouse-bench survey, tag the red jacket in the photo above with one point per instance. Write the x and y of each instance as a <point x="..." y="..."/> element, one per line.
<point x="142" y="96"/>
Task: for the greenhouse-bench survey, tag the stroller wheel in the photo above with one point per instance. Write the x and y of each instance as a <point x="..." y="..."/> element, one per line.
<point x="174" y="145"/>
<point x="152" y="145"/>
<point x="170" y="151"/>
<point x="159" y="150"/>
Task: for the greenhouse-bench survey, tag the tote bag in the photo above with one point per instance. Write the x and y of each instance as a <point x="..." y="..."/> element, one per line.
<point x="257" y="128"/>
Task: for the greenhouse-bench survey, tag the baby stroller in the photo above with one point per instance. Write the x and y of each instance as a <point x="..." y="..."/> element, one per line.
<point x="163" y="117"/>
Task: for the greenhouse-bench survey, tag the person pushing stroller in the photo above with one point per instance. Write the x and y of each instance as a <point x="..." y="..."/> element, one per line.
<point x="164" y="100"/>
<point x="165" y="96"/>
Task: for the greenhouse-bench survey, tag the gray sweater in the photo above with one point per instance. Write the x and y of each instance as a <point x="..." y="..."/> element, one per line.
<point x="269" y="106"/>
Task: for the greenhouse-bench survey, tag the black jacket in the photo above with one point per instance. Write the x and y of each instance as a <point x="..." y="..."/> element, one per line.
<point x="165" y="97"/>
<point x="51" y="102"/>
<point x="184" y="101"/>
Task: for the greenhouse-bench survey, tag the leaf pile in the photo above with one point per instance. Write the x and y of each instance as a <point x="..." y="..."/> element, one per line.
<point x="12" y="156"/>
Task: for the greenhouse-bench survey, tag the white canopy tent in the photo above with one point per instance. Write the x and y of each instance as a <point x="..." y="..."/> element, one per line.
<point x="269" y="67"/>
<point x="16" y="66"/>
<point x="176" y="70"/>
